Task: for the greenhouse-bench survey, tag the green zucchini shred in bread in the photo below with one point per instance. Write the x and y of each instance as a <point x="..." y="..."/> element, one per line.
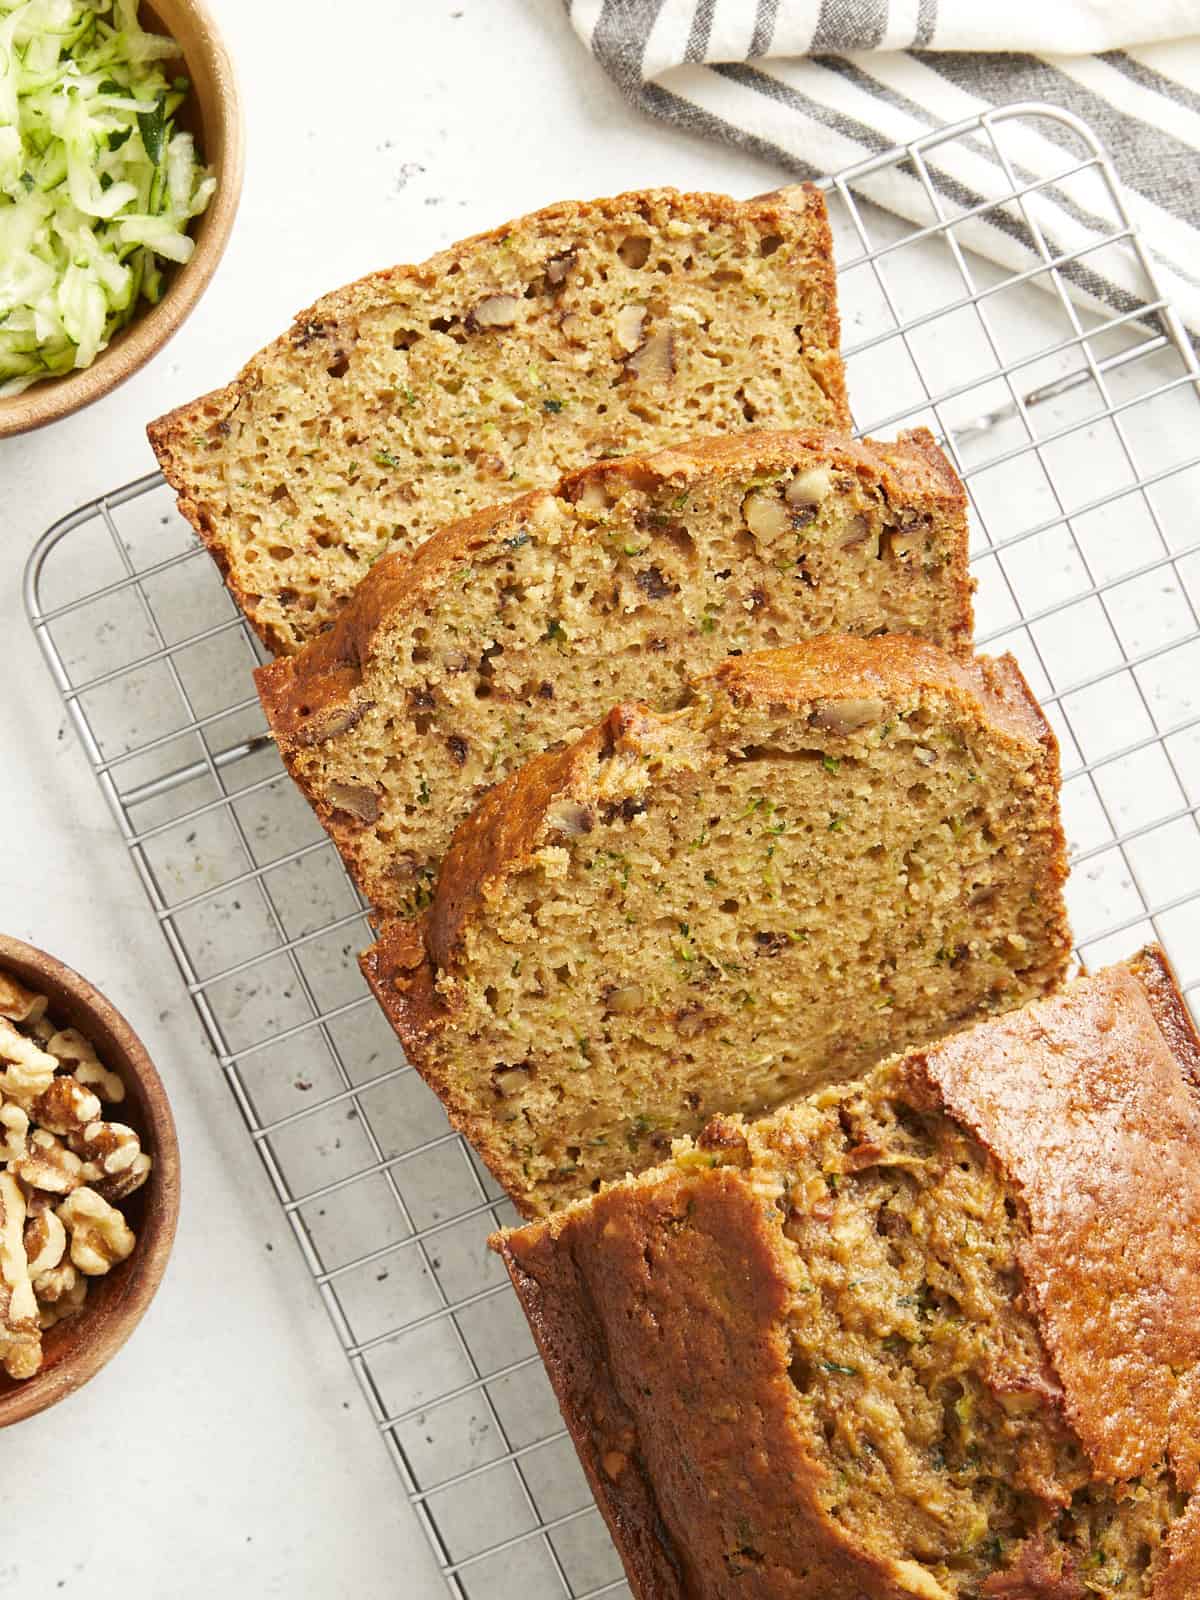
<point x="525" y="624"/>
<point x="414" y="397"/>
<point x="931" y="1334"/>
<point x="837" y="849"/>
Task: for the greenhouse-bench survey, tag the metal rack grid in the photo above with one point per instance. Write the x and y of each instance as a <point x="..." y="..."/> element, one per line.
<point x="1075" y="433"/>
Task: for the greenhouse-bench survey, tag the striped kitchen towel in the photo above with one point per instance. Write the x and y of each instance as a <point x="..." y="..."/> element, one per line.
<point x="819" y="86"/>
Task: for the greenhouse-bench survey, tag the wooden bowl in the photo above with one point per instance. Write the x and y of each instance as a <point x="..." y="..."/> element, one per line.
<point x="212" y="114"/>
<point x="74" y="1350"/>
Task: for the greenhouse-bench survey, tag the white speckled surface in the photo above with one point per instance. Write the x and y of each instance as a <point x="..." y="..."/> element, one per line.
<point x="227" y="1450"/>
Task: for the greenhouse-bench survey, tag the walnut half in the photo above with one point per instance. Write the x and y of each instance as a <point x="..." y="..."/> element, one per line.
<point x="847" y="716"/>
<point x="19" y="1004"/>
<point x="65" y="1107"/>
<point x="70" y="1049"/>
<point x="654" y="360"/>
<point x="106" y="1149"/>
<point x="28" y="1070"/>
<point x="497" y="311"/>
<point x="48" y="1165"/>
<point x="100" y="1236"/>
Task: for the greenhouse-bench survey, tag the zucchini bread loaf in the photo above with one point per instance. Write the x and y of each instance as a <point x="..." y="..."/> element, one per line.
<point x="414" y="397"/>
<point x="933" y="1334"/>
<point x="524" y="624"/>
<point x="838" y="849"/>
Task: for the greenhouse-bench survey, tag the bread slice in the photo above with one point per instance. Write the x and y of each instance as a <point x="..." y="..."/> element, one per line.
<point x="524" y="624"/>
<point x="933" y="1334"/>
<point x="416" y="396"/>
<point x="838" y="849"/>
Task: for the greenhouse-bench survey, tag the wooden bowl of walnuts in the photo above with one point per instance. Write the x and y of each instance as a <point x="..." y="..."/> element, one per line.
<point x="89" y="1180"/>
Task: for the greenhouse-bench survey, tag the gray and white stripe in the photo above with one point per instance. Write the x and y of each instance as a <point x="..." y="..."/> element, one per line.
<point x="815" y="86"/>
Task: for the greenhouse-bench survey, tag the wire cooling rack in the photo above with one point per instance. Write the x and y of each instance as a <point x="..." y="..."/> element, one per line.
<point x="1078" y="437"/>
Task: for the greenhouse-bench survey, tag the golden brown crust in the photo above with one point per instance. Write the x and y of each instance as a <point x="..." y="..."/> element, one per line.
<point x="1153" y="971"/>
<point x="692" y="1378"/>
<point x="829" y="370"/>
<point x="1106" y="1158"/>
<point x="167" y="435"/>
<point x="1179" y="1576"/>
<point x="321" y="678"/>
<point x="576" y="1356"/>
<point x="170" y="434"/>
<point x="676" y="1283"/>
<point x="401" y="967"/>
<point x="402" y="979"/>
<point x="807" y="199"/>
<point x="840" y="666"/>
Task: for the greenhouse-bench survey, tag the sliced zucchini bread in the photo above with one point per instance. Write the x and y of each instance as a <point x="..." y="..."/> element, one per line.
<point x="836" y="850"/>
<point x="934" y="1334"/>
<point x="523" y="625"/>
<point x="417" y="395"/>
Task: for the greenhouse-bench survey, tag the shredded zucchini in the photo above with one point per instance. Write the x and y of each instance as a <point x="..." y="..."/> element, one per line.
<point x="97" y="188"/>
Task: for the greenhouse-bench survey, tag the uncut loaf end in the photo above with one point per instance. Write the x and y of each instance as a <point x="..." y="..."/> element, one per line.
<point x="928" y="1336"/>
<point x="838" y="849"/>
<point x="418" y="395"/>
<point x="522" y="626"/>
